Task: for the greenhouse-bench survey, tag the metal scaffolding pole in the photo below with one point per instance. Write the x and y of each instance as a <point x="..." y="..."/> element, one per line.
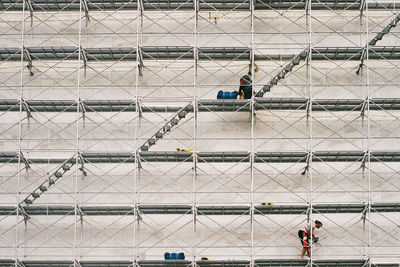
<point x="363" y="39"/>
<point x="309" y="121"/>
<point x="77" y="252"/>
<point x="368" y="213"/>
<point x="195" y="100"/>
<point x="21" y="96"/>
<point x="137" y="140"/>
<point x="252" y="148"/>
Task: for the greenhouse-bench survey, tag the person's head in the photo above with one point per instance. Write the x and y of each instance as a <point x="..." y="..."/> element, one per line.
<point x="318" y="224"/>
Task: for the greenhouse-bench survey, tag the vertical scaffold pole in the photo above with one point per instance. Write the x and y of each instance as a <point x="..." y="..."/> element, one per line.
<point x="252" y="110"/>
<point x="136" y="217"/>
<point x="21" y="88"/>
<point x="195" y="121"/>
<point x="368" y="215"/>
<point x="309" y="118"/>
<point x="76" y="143"/>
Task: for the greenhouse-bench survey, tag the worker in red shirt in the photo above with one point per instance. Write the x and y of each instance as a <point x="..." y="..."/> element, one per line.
<point x="246" y="86"/>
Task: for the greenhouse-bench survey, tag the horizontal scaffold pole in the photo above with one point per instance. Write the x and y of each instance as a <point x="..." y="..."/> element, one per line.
<point x="187" y="53"/>
<point x="207" y="105"/>
<point x="208" y="5"/>
<point x="60" y="210"/>
<point x="213" y="157"/>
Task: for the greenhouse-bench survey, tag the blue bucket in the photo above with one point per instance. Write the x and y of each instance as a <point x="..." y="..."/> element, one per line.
<point x="181" y="256"/>
<point x="227" y="95"/>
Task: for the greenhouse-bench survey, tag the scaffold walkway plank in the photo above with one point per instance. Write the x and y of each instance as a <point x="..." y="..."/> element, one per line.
<point x="317" y="263"/>
<point x="223" y="263"/>
<point x="300" y="262"/>
<point x="212" y="157"/>
<point x="72" y="106"/>
<point x="326" y="208"/>
<point x="278" y="262"/>
<point x="240" y="105"/>
<point x="163" y="263"/>
<point x="201" y="263"/>
<point x="349" y="53"/>
<point x="165" y="209"/>
<point x="59" y="210"/>
<point x="106" y="264"/>
<point x="223" y="210"/>
<point x="240" y="5"/>
<point x="321" y="4"/>
<point x="299" y="104"/>
<point x="186" y="52"/>
<point x="127" y="53"/>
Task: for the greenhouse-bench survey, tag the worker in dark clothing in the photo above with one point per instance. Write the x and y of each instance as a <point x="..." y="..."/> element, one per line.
<point x="305" y="236"/>
<point x="246" y="88"/>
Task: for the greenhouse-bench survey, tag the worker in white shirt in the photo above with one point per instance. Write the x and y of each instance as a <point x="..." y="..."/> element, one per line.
<point x="304" y="236"/>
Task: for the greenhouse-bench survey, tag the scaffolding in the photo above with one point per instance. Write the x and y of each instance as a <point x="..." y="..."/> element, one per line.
<point x="115" y="150"/>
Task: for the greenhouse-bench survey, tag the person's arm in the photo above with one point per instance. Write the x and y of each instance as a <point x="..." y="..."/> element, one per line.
<point x="312" y="233"/>
<point x="240" y="86"/>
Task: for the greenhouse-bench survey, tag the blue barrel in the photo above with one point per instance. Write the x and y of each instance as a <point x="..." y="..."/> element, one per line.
<point x="174" y="256"/>
<point x="234" y="95"/>
<point x="227" y="95"/>
<point x="181" y="256"/>
<point x="167" y="256"/>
